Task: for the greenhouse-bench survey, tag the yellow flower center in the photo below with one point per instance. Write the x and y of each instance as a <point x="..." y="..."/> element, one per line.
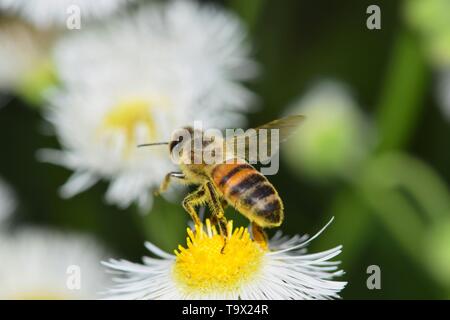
<point x="210" y="264"/>
<point x="127" y="115"/>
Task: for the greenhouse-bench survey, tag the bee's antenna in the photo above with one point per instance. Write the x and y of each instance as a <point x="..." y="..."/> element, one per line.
<point x="152" y="144"/>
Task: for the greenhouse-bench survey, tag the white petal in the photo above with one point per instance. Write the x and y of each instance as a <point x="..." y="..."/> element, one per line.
<point x="78" y="182"/>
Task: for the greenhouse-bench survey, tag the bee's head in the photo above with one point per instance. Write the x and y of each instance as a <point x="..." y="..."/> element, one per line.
<point x="179" y="139"/>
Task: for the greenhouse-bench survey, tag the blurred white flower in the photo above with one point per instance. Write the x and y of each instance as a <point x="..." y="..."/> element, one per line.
<point x="25" y="66"/>
<point x="7" y="201"/>
<point x="243" y="270"/>
<point x="43" y="264"/>
<point x="47" y="13"/>
<point x="335" y="136"/>
<point x="443" y="92"/>
<point x="431" y="20"/>
<point x="135" y="81"/>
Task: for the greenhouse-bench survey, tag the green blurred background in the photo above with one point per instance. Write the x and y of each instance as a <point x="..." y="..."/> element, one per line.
<point x="392" y="210"/>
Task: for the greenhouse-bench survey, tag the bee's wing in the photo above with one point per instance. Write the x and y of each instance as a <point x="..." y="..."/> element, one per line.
<point x="286" y="125"/>
<point x="238" y="146"/>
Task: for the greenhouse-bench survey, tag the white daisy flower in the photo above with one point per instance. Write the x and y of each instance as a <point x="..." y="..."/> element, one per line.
<point x="25" y="66"/>
<point x="135" y="81"/>
<point x="7" y="201"/>
<point x="242" y="271"/>
<point x="46" y="13"/>
<point x="43" y="264"/>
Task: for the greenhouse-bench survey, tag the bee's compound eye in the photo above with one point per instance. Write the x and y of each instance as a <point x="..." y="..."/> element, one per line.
<point x="172" y="145"/>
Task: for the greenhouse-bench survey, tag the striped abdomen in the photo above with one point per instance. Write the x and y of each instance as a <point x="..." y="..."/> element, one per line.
<point x="249" y="192"/>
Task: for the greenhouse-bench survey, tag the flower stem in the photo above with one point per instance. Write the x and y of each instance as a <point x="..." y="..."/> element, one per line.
<point x="402" y="95"/>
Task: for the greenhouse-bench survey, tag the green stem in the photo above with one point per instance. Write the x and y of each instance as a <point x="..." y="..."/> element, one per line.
<point x="422" y="183"/>
<point x="402" y="94"/>
<point x="407" y="196"/>
<point x="398" y="112"/>
<point x="401" y="220"/>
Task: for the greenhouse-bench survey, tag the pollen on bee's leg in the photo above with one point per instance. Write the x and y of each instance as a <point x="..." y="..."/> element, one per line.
<point x="263" y="244"/>
<point x="260" y="236"/>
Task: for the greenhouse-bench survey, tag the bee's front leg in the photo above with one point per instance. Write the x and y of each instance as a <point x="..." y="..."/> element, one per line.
<point x="192" y="200"/>
<point x="167" y="179"/>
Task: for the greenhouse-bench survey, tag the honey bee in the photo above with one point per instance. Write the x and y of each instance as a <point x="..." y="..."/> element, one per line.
<point x="235" y="182"/>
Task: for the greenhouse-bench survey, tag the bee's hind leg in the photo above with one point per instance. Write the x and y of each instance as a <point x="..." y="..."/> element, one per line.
<point x="260" y="236"/>
<point x="214" y="219"/>
<point x="224" y="203"/>
<point x="217" y="211"/>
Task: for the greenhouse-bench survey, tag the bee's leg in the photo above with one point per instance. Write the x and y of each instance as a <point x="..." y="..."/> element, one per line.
<point x="215" y="205"/>
<point x="165" y="183"/>
<point x="192" y="200"/>
<point x="224" y="205"/>
<point x="260" y="236"/>
<point x="217" y="211"/>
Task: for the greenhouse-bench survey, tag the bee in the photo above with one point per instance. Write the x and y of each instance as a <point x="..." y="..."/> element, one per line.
<point x="235" y="182"/>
